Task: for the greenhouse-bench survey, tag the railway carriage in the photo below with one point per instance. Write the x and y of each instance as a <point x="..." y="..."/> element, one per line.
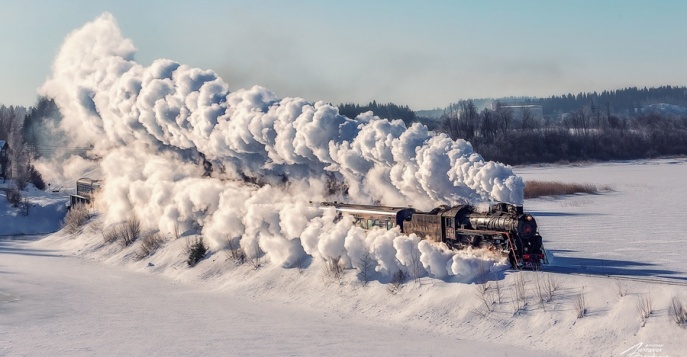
<point x="85" y="191"/>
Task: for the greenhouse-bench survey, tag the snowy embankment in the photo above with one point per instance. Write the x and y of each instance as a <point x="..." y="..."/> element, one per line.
<point x="441" y="310"/>
<point x="58" y="305"/>
<point x="45" y="212"/>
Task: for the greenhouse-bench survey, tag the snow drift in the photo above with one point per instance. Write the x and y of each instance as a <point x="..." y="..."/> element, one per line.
<point x="177" y="148"/>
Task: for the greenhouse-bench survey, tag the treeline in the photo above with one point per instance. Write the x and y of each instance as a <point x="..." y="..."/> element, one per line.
<point x="587" y="133"/>
<point x="621" y="101"/>
<point x="385" y="111"/>
<point x="21" y="129"/>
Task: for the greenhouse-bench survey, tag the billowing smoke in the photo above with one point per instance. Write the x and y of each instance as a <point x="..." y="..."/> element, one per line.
<point x="178" y="149"/>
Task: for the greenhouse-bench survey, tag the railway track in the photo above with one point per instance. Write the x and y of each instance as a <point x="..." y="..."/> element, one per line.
<point x="678" y="281"/>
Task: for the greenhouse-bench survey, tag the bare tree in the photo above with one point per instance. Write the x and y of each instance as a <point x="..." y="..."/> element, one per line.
<point x="486" y="298"/>
<point x="19" y="158"/>
<point x="519" y="297"/>
<point x="461" y="124"/>
<point x="366" y="267"/>
<point x="504" y="118"/>
<point x="468" y="119"/>
<point x="416" y="265"/>
<point x="25" y="206"/>
<point x="529" y="122"/>
<point x="488" y="124"/>
<point x="498" y="290"/>
<point x="450" y="125"/>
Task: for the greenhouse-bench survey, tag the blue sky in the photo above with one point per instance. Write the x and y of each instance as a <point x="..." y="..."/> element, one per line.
<point x="423" y="54"/>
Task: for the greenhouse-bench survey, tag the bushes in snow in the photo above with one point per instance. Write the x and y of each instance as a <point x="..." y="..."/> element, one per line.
<point x="546" y="285"/>
<point x="334" y="269"/>
<point x="397" y="281"/>
<point x="13" y="197"/>
<point x="36" y="178"/>
<point x="254" y="255"/>
<point x="149" y="244"/>
<point x="644" y="307"/>
<point x="580" y="305"/>
<point x="124" y="233"/>
<point x="76" y="217"/>
<point x="196" y="250"/>
<point x="235" y="252"/>
<point x="678" y="311"/>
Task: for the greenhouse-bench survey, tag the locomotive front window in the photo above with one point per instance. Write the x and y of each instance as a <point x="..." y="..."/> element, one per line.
<point x="449" y="222"/>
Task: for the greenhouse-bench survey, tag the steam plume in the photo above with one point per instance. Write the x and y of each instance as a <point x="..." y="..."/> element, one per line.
<point x="175" y="146"/>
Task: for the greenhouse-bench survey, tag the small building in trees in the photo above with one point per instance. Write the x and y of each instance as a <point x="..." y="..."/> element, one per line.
<point x="4" y="158"/>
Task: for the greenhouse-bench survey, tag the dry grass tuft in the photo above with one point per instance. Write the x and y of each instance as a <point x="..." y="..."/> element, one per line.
<point x="534" y="189"/>
<point x="149" y="244"/>
<point x="125" y="233"/>
<point x="580" y="305"/>
<point x="76" y="217"/>
<point x="678" y="311"/>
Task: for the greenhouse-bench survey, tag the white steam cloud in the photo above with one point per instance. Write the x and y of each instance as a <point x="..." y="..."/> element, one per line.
<point x="151" y="129"/>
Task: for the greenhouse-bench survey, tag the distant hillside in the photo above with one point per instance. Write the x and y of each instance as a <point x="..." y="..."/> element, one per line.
<point x="664" y="100"/>
<point x="435" y="113"/>
<point x="619" y="102"/>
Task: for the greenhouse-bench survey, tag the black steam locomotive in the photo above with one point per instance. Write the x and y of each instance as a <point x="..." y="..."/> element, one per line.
<point x="502" y="228"/>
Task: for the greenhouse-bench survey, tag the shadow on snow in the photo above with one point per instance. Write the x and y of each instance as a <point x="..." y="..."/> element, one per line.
<point x="14" y="245"/>
<point x="596" y="266"/>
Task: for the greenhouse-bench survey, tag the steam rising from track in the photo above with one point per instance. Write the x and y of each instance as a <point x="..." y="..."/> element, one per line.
<point x="175" y="146"/>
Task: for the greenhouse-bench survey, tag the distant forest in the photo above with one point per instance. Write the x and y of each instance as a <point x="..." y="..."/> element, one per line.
<point x="621" y="101"/>
<point x="623" y="124"/>
<point x="19" y="127"/>
<point x="385" y="111"/>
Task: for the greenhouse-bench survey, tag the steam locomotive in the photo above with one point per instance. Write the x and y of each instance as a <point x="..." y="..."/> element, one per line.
<point x="502" y="228"/>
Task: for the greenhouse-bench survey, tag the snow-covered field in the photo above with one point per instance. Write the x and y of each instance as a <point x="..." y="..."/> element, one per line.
<point x="75" y="295"/>
<point x="636" y="229"/>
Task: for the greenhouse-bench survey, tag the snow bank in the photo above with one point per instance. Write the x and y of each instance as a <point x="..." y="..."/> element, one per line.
<point x="45" y="213"/>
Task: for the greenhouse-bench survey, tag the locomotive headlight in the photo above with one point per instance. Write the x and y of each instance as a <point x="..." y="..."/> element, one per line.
<point x="528" y="218"/>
